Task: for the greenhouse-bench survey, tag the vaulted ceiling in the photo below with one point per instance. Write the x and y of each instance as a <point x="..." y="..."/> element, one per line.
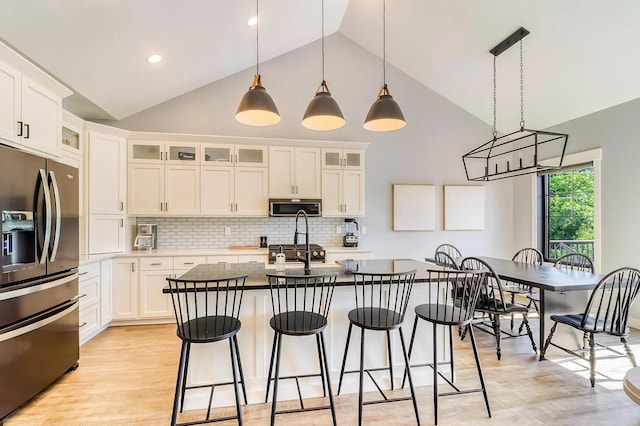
<point x="579" y="58"/>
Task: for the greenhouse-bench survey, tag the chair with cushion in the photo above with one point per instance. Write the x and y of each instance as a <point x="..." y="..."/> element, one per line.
<point x="607" y="312"/>
<point x="451" y="302"/>
<point x="300" y="306"/>
<point x="381" y="303"/>
<point x="206" y="311"/>
<point x="493" y="302"/>
<point x="528" y="255"/>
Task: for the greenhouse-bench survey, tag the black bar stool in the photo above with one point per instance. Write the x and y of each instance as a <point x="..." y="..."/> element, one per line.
<point x="300" y="308"/>
<point x="451" y="302"/>
<point x="381" y="302"/>
<point x="207" y="311"/>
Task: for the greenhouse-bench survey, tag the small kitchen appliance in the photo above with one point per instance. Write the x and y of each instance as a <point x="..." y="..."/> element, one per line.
<point x="147" y="236"/>
<point x="350" y="238"/>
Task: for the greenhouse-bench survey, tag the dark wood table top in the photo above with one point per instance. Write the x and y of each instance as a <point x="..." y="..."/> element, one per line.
<point x="257" y="271"/>
<point x="543" y="276"/>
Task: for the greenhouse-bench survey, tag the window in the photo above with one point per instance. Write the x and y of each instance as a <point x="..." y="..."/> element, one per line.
<point x="566" y="212"/>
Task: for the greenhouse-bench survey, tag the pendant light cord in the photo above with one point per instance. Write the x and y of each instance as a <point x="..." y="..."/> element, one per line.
<point x="322" y="14"/>
<point x="384" y="42"/>
<point x="257" y="39"/>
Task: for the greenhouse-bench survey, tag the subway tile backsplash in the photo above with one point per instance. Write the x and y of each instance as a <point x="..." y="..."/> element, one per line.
<point x="209" y="232"/>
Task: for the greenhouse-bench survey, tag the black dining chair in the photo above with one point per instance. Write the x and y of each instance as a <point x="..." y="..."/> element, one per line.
<point x="528" y="255"/>
<point x="494" y="303"/>
<point x="450" y="249"/>
<point x="300" y="304"/>
<point x="442" y="258"/>
<point x="381" y="303"/>
<point x="451" y="303"/>
<point x="572" y="261"/>
<point x="607" y="312"/>
<point x="207" y="311"/>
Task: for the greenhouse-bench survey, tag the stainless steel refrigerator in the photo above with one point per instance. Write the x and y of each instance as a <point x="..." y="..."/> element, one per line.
<point x="39" y="275"/>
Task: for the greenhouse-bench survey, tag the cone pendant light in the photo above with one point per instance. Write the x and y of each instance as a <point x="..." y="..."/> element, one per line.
<point x="256" y="106"/>
<point x="385" y="114"/>
<point x="323" y="112"/>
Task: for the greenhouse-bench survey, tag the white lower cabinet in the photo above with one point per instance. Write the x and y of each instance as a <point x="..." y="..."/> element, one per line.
<point x="89" y="290"/>
<point x="125" y="288"/>
<point x="106" y="292"/>
<point x="153" y="278"/>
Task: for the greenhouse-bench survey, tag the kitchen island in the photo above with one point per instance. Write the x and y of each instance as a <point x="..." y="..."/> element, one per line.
<point x="209" y="363"/>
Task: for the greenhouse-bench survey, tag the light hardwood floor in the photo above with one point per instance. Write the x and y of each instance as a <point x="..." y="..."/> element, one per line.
<point x="127" y="377"/>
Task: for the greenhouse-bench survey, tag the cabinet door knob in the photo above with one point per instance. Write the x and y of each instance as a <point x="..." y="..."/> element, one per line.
<point x="20" y="125"/>
<point x="26" y="128"/>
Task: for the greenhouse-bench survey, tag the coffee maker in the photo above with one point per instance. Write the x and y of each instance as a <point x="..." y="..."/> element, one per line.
<point x="350" y="238"/>
<point x="147" y="236"/>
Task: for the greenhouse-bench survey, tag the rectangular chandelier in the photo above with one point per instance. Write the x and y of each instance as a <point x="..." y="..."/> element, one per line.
<point x="521" y="152"/>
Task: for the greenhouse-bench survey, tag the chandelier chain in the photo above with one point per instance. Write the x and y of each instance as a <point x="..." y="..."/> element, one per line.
<point x="521" y="88"/>
<point x="494" y="129"/>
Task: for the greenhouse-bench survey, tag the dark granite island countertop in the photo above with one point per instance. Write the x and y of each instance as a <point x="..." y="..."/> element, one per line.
<point x="257" y="279"/>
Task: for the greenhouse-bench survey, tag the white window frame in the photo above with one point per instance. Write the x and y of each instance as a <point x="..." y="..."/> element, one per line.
<point x="593" y="156"/>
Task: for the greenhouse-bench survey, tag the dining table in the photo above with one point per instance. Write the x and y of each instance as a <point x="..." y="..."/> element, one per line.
<point x="562" y="291"/>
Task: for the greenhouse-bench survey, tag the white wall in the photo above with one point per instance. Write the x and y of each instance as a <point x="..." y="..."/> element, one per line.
<point x="428" y="150"/>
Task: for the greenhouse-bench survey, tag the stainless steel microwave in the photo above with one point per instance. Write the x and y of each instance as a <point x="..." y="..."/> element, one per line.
<point x="286" y="207"/>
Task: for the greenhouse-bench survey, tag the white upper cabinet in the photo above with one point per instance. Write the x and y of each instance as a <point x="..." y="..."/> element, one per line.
<point x="30" y="114"/>
<point x="251" y="155"/>
<point x="294" y="172"/>
<point x="106" y="192"/>
<point x="342" y="193"/>
<point x="10" y="101"/>
<point x="152" y="152"/>
<point x="107" y="174"/>
<point x="342" y="158"/>
<point x="164" y="178"/>
<point x="219" y="155"/>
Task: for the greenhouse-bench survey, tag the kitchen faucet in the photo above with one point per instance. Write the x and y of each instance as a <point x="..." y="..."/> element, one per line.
<point x="307" y="256"/>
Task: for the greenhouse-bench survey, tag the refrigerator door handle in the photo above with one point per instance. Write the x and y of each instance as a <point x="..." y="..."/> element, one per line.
<point x="38" y="324"/>
<point x="47" y="202"/>
<point x="56" y="238"/>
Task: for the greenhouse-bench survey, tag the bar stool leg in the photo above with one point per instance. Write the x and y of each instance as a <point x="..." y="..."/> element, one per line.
<point x="390" y="358"/>
<point x="237" y="349"/>
<point x="181" y="370"/>
<point x="275" y="381"/>
<point x="407" y="367"/>
<point x="324" y="389"/>
<point x="435" y="375"/>
<point x="325" y="372"/>
<point x="453" y="374"/>
<point x="479" y="367"/>
<point x="233" y="350"/>
<point x="344" y="358"/>
<point x="273" y="354"/>
<point x="360" y="399"/>
<point x="184" y="381"/>
<point x="413" y="335"/>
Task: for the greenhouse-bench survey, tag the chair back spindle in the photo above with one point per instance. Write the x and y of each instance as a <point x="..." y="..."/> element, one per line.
<point x="608" y="307"/>
<point x="301" y="302"/>
<point x="575" y="262"/>
<point x="382" y="299"/>
<point x="205" y="309"/>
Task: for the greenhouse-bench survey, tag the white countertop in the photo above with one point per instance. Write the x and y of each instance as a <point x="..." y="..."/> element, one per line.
<point x="86" y="258"/>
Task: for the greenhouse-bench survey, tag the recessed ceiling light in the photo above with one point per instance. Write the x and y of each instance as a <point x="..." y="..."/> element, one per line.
<point x="154" y="59"/>
<point x="252" y="21"/>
